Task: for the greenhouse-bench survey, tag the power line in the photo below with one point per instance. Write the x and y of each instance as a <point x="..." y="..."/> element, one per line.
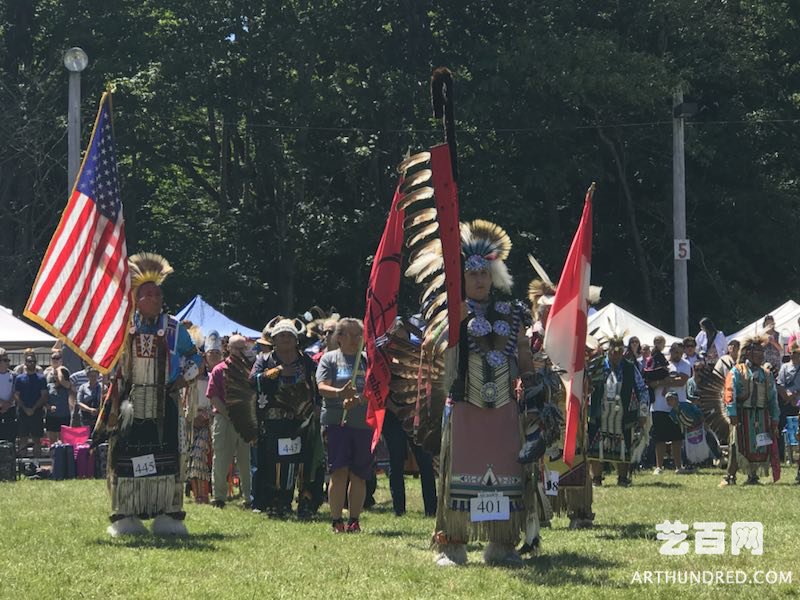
<point x="508" y="129"/>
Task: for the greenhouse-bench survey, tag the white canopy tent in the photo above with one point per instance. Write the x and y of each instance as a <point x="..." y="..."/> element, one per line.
<point x="613" y="319"/>
<point x="15" y="334"/>
<point x="785" y="315"/>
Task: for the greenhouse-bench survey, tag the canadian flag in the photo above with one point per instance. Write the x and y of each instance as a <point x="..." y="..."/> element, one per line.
<point x="565" y="334"/>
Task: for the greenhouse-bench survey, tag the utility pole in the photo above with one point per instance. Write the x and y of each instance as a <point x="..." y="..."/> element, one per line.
<point x="682" y="247"/>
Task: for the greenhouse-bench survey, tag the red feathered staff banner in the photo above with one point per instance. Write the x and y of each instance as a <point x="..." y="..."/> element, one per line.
<point x="384" y="286"/>
<point x="565" y="336"/>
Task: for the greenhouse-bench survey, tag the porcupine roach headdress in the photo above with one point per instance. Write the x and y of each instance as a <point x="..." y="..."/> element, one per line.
<point x="754" y="341"/>
<point x="147" y="267"/>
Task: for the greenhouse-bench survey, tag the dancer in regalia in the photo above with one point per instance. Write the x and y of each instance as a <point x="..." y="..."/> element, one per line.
<point x="141" y="416"/>
<point x="574" y="495"/>
<point x="618" y="415"/>
<point x="286" y="388"/>
<point x="483" y="428"/>
<point x="751" y="399"/>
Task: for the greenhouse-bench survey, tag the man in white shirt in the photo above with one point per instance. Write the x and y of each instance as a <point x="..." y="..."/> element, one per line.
<point x="8" y="410"/>
<point x="665" y="429"/>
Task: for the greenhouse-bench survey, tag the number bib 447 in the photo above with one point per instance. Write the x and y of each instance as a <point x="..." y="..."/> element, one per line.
<point x="289" y="446"/>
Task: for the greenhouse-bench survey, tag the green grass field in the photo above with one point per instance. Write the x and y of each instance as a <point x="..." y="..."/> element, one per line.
<point x="54" y="546"/>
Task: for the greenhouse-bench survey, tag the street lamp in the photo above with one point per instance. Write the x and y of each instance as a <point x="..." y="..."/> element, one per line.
<point x="75" y="61"/>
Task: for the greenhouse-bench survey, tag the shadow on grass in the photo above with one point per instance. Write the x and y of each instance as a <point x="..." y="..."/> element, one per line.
<point x="202" y="542"/>
<point x="551" y="570"/>
<point x="389" y="533"/>
<point x="380" y="508"/>
<point x="626" y="532"/>
<point x="658" y="484"/>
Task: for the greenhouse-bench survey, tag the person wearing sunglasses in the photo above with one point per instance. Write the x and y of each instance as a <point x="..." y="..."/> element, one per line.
<point x="8" y="412"/>
<point x="58" y="393"/>
<point x="30" y="393"/>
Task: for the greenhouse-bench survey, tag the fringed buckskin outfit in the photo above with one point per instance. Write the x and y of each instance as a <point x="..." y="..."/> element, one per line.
<point x="142" y="416"/>
<point x="751" y="396"/>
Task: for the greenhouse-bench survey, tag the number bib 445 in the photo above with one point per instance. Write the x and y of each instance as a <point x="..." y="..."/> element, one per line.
<point x="144" y="465"/>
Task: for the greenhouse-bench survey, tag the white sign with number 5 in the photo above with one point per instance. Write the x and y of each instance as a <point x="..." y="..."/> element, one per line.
<point x="683" y="250"/>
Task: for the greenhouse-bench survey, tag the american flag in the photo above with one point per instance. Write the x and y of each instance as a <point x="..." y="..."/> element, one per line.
<point x="82" y="291"/>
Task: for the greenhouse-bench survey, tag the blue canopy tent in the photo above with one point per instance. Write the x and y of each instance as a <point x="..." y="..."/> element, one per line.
<point x="208" y="318"/>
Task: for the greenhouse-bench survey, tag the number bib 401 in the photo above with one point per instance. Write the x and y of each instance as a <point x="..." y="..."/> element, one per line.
<point x="489" y="507"/>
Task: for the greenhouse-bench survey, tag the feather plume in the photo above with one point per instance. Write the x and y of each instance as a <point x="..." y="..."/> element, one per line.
<point x="240" y="398"/>
<point x="541" y="272"/>
<point x="413" y="180"/>
<point x="423" y="193"/>
<point x="417" y="234"/>
<point x="425" y="215"/>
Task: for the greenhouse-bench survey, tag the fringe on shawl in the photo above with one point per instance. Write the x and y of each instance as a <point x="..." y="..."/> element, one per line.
<point x="145" y="497"/>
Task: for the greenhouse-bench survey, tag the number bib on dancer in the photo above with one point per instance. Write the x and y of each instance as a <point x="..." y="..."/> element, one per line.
<point x="289" y="446"/>
<point x="144" y="465"/>
<point x="489" y="507"/>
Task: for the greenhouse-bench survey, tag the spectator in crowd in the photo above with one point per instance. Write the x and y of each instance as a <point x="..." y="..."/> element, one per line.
<point x="710" y="341"/>
<point x="665" y="429"/>
<point x="90" y="394"/>
<point x="340" y="378"/>
<point x="328" y="344"/>
<point x="77" y="379"/>
<point x="8" y="412"/>
<point x="795" y="337"/>
<point x="773" y="352"/>
<point x="657" y="359"/>
<point x="633" y="351"/>
<point x="30" y="394"/>
<point x="656" y="366"/>
<point x="227" y="442"/>
<point x="21" y="368"/>
<point x="788" y="382"/>
<point x="58" y="393"/>
<point x="398" y="442"/>
<point x="690" y="354"/>
<point x="727" y="362"/>
<point x="644" y="356"/>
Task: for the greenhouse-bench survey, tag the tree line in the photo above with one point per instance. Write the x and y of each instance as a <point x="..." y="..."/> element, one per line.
<point x="258" y="141"/>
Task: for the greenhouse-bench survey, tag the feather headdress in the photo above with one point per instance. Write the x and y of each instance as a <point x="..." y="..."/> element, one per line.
<point x="486" y="246"/>
<point x="147" y="267"/>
